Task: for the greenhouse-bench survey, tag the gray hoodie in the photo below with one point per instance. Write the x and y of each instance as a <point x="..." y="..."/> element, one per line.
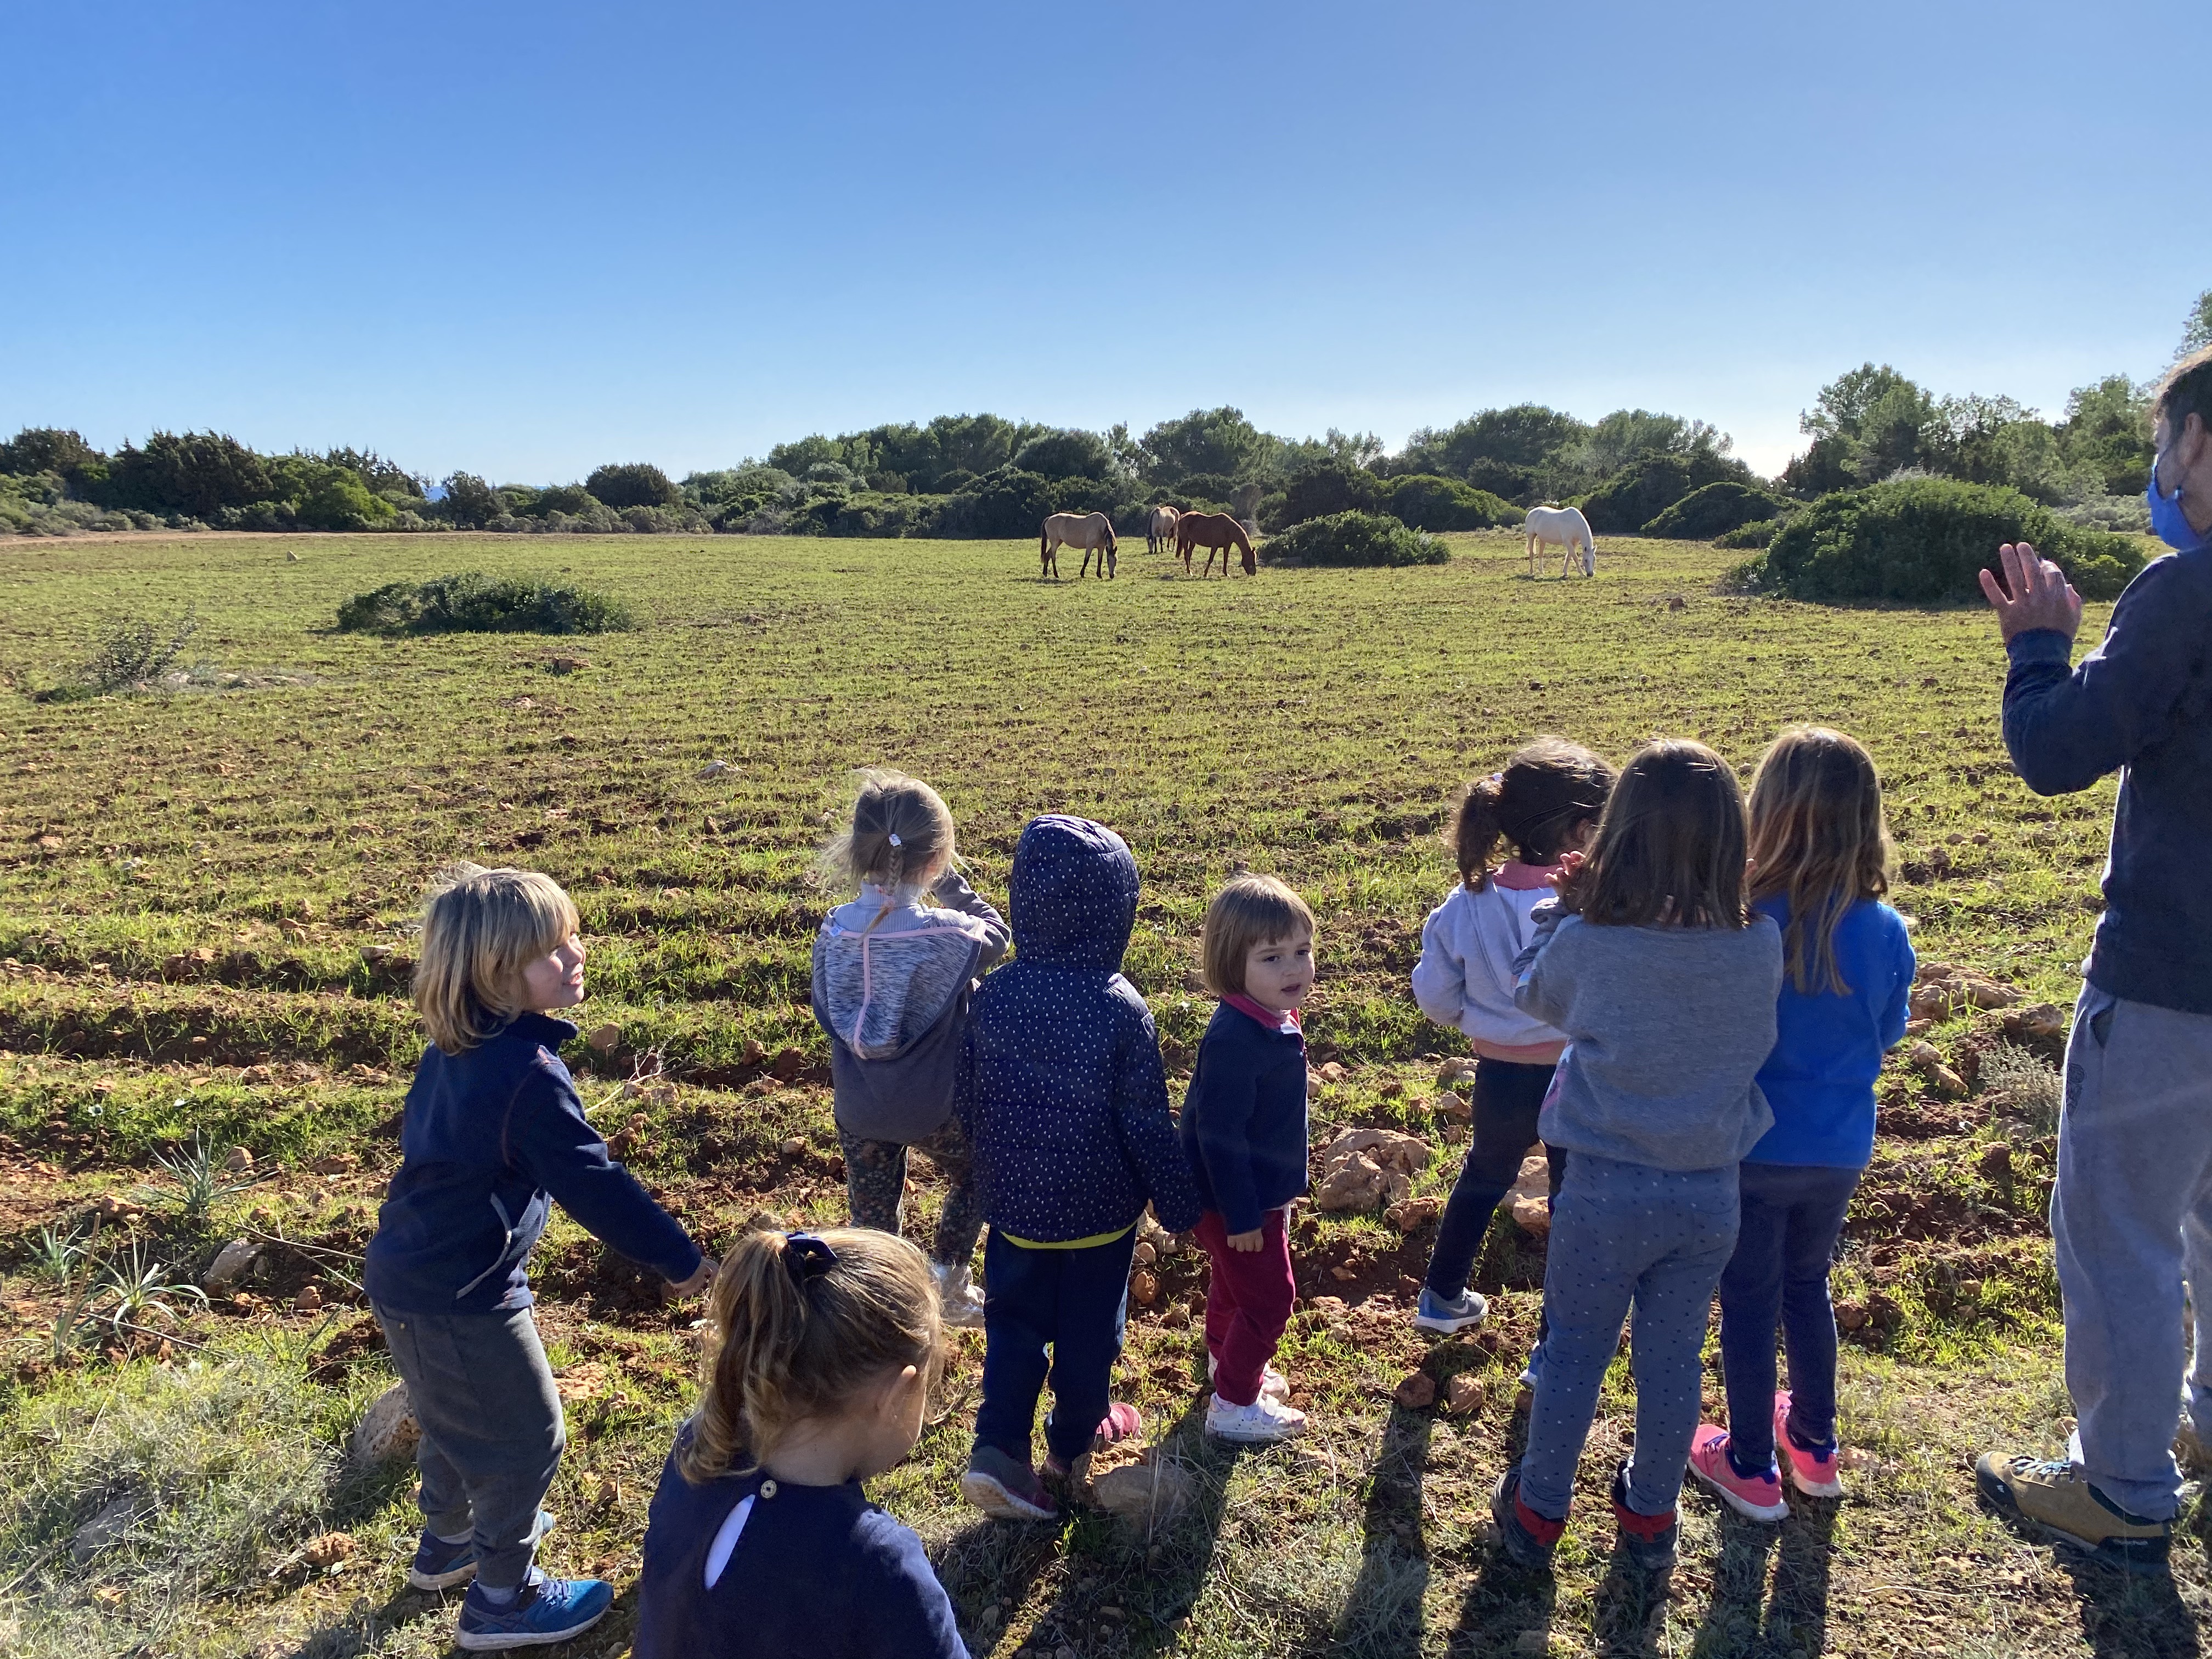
<point x="1667" y="1027"/>
<point x="891" y="981"/>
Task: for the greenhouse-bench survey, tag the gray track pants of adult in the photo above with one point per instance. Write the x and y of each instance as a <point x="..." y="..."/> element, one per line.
<point x="492" y="1432"/>
<point x="2133" y="1201"/>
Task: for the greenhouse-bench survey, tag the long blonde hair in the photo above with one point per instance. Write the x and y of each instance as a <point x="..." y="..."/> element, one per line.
<point x="1819" y="841"/>
<point x="479" y="929"/>
<point x="800" y="1324"/>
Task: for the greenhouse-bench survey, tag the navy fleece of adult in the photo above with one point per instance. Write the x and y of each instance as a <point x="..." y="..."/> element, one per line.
<point x="490" y="1138"/>
<point x="1828" y="1045"/>
<point x="1244" y="1118"/>
<point x="1061" y="1086"/>
<point x="818" y="1571"/>
<point x="2138" y="702"/>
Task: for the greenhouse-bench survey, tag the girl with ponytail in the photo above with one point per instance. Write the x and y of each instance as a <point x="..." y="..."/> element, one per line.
<point x="822" y="1355"/>
<point x="1541" y="805"/>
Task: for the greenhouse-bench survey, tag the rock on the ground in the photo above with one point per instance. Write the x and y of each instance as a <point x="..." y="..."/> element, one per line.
<point x="1458" y="1069"/>
<point x="327" y="1550"/>
<point x="1463" y="1393"/>
<point x="1144" y="1288"/>
<point x="387" y="1430"/>
<point x="603" y="1040"/>
<point x="1150" y="1493"/>
<point x="1368" y="1169"/>
<point x="1408" y="1214"/>
<point x="232" y="1262"/>
<point x="108" y="1524"/>
<point x="1415" y="1390"/>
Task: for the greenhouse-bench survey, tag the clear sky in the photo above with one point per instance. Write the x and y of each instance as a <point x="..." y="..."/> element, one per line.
<point x="524" y="239"/>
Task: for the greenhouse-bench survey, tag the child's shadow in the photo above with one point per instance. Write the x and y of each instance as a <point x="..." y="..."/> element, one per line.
<point x="1741" y="1617"/>
<point x="1384" y="1614"/>
<point x="2129" y="1615"/>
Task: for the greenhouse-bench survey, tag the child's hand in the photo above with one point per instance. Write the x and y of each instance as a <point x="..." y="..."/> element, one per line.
<point x="698" y="1281"/>
<point x="1569" y="863"/>
<point x="1246" y="1242"/>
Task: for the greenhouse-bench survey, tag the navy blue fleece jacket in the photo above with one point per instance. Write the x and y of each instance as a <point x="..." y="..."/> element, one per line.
<point x="1244" y="1118"/>
<point x="2138" y="703"/>
<point x="1061" y="1087"/>
<point x="490" y="1138"/>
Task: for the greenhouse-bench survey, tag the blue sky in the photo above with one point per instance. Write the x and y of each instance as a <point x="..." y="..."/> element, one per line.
<point x="524" y="239"/>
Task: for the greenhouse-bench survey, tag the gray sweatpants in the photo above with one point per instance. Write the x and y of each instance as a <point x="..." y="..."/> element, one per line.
<point x="492" y="1430"/>
<point x="1623" y="1236"/>
<point x="2133" y="1202"/>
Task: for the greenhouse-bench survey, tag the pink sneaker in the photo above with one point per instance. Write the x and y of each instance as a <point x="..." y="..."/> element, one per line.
<point x="1757" y="1499"/>
<point x="1815" y="1474"/>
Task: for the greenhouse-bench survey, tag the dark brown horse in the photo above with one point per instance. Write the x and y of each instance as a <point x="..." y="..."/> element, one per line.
<point x="1216" y="532"/>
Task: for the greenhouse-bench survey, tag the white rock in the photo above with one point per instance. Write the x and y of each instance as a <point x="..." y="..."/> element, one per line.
<point x="387" y="1430"/>
<point x="232" y="1263"/>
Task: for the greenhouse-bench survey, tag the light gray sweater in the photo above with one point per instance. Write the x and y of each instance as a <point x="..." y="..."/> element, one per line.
<point x="1667" y="1027"/>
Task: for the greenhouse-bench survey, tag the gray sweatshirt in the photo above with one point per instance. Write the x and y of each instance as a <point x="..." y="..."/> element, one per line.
<point x="1665" y="1026"/>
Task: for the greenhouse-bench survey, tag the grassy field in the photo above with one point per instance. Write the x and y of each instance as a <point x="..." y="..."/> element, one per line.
<point x="206" y="900"/>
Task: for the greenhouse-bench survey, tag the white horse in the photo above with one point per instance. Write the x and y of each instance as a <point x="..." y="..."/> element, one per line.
<point x="1562" y="528"/>
<point x="1091" y="531"/>
<point x="1161" y="531"/>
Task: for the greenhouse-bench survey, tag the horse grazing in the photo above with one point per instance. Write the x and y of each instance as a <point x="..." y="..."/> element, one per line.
<point x="1091" y="531"/>
<point x="1563" y="527"/>
<point x="1159" y="535"/>
<point x="1216" y="532"/>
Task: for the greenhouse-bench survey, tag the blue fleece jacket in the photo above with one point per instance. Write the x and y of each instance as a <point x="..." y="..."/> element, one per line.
<point x="1828" y="1045"/>
<point x="490" y="1138"/>
<point x="1061" y="1087"/>
<point x="1244" y="1118"/>
<point x="2141" y="702"/>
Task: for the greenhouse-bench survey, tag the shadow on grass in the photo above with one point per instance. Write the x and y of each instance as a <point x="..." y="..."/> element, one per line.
<point x="1742" y="1618"/>
<point x="2129" y="1615"/>
<point x="1383" y="1617"/>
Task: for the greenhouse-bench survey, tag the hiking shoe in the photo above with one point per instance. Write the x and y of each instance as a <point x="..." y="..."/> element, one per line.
<point x="439" y="1565"/>
<point x="1648" y="1540"/>
<point x="1005" y="1488"/>
<point x="1526" y="1537"/>
<point x="2058" y="1496"/>
<point x="1262" y="1422"/>
<point x="1273" y="1385"/>
<point x="1757" y="1497"/>
<point x="1818" y="1473"/>
<point x="544" y="1610"/>
<point x="957" y="1295"/>
<point x="1435" y="1313"/>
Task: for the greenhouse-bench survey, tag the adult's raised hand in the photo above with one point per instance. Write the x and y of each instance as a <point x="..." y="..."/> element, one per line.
<point x="2032" y="593"/>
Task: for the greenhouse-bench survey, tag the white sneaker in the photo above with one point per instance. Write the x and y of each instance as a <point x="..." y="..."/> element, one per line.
<point x="1273" y="1385"/>
<point x="1262" y="1422"/>
<point x="958" y="1297"/>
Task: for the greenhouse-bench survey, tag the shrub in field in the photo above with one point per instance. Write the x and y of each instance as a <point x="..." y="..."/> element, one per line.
<point x="633" y="483"/>
<point x="559" y="498"/>
<point x="1715" y="509"/>
<point x="1356" y="538"/>
<point x="471" y="602"/>
<point x="1429" y="502"/>
<point x="2120" y="512"/>
<point x="1758" y="533"/>
<point x="131" y="652"/>
<point x="1325" y="486"/>
<point x="1923" y="540"/>
<point x="1641" y="491"/>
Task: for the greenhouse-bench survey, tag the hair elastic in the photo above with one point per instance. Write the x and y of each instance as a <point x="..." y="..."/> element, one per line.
<point x="896" y="842"/>
<point x="806" y="1257"/>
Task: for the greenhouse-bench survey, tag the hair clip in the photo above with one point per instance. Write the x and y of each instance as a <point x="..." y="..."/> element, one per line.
<point x="1495" y="777"/>
<point x="896" y="842"/>
<point x="806" y="1257"/>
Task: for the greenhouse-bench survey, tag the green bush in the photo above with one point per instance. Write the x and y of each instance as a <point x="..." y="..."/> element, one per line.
<point x="1758" y="533"/>
<point x="1323" y="487"/>
<point x="1429" y="502"/>
<point x="471" y="602"/>
<point x="1356" y="538"/>
<point x="1641" y="491"/>
<point x="1715" y="509"/>
<point x="1923" y="540"/>
<point x="633" y="483"/>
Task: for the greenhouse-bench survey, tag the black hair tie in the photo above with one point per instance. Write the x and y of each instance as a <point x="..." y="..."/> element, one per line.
<point x="807" y="1258"/>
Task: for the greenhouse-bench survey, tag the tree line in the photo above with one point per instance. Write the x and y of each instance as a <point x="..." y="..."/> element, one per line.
<point x="984" y="474"/>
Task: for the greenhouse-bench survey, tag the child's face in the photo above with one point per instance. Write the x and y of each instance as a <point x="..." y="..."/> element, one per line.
<point x="1278" y="972"/>
<point x="556" y="979"/>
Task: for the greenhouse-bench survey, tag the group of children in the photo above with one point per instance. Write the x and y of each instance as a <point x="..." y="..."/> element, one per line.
<point x="1685" y="999"/>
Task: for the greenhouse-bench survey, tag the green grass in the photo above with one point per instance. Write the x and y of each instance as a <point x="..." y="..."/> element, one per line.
<point x="205" y="909"/>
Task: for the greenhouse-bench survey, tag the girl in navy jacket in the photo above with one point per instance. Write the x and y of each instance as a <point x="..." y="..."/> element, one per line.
<point x="760" y="1543"/>
<point x="494" y="1131"/>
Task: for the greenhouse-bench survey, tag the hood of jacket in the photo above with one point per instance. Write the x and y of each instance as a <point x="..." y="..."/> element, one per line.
<point x="884" y="973"/>
<point x="1073" y="891"/>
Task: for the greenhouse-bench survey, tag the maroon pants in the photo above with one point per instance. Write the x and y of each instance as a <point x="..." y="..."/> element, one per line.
<point x="1248" y="1305"/>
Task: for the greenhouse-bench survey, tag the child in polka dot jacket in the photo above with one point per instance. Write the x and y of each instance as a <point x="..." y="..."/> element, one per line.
<point x="1065" y="1100"/>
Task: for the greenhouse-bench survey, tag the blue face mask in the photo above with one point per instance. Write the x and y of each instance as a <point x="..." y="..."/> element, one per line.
<point x="2168" y="522"/>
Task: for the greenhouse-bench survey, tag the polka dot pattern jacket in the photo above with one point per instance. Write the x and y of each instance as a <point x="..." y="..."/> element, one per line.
<point x="1061" y="1085"/>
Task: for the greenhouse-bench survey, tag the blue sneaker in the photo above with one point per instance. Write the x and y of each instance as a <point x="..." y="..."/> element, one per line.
<point x="439" y="1565"/>
<point x="1434" y="1313"/>
<point x="544" y="1610"/>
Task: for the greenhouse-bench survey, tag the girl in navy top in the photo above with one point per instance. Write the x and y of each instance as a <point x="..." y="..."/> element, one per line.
<point x="760" y="1543"/>
<point x="1821" y="857"/>
<point x="1244" y="1132"/>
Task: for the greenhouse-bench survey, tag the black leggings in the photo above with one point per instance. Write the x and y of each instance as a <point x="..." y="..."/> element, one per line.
<point x="1507" y="1098"/>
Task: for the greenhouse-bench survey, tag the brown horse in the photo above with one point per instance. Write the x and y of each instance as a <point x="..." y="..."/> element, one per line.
<point x="1160" y="532"/>
<point x="1091" y="531"/>
<point x="1216" y="532"/>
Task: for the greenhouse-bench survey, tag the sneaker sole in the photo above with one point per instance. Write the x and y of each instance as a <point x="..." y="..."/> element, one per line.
<point x="1271" y="1437"/>
<point x="995" y="1501"/>
<point x="2144" y="1555"/>
<point x="439" y="1581"/>
<point x="500" y="1641"/>
<point x="1813" y="1488"/>
<point x="1447" y="1327"/>
<point x="1742" y="1506"/>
